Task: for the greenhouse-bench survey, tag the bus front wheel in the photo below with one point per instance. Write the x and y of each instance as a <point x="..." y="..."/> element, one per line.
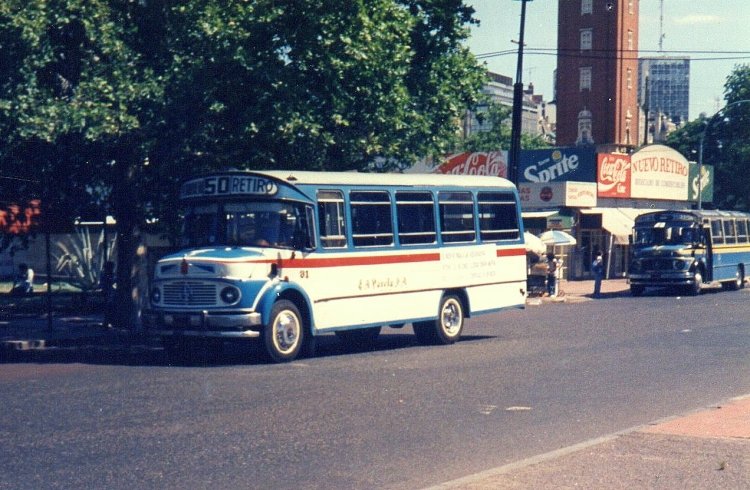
<point x="695" y="288"/>
<point x="285" y="332"/>
<point x="446" y="329"/>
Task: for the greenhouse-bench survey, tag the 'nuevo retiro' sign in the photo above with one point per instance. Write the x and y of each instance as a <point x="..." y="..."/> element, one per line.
<point x="659" y="172"/>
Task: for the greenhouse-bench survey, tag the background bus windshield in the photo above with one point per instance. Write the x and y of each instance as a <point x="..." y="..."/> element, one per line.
<point x="263" y="224"/>
<point x="666" y="234"/>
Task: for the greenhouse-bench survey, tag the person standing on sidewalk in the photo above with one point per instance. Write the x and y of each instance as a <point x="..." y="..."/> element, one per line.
<point x="597" y="268"/>
<point x="552" y="265"/>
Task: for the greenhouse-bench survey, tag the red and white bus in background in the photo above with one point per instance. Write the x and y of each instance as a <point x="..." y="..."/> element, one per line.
<point x="286" y="256"/>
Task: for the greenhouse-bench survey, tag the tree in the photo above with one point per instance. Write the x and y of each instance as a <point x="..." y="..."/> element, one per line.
<point x="725" y="142"/>
<point x="107" y="103"/>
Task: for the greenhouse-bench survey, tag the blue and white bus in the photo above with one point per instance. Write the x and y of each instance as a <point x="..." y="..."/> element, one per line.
<point x="285" y="256"/>
<point x="692" y="249"/>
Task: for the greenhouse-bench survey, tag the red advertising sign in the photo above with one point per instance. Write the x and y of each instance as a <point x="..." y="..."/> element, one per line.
<point x="17" y="220"/>
<point x="613" y="175"/>
<point x="491" y="163"/>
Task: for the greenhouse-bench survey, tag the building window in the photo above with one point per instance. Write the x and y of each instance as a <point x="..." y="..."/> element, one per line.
<point x="629" y="79"/>
<point x="586" y="7"/>
<point x="586" y="39"/>
<point x="585" y="78"/>
<point x="585" y="125"/>
<point x="631" y="9"/>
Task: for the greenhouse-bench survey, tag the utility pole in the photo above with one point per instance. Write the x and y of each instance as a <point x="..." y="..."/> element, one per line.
<point x="515" y="134"/>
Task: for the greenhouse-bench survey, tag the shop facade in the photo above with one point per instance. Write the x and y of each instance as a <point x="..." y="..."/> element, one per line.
<point x="593" y="196"/>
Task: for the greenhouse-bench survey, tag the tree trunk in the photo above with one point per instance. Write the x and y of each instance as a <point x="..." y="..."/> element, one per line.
<point x="126" y="211"/>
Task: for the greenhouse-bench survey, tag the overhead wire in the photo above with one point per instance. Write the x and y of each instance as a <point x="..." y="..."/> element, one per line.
<point x="622" y="54"/>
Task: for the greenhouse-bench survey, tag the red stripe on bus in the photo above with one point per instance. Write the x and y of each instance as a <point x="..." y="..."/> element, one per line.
<point x="510" y="252"/>
<point x="362" y="260"/>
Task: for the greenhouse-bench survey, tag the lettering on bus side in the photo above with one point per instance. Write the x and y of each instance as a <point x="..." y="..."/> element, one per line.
<point x="228" y="185"/>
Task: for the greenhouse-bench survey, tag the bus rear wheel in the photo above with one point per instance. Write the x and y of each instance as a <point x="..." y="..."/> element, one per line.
<point x="739" y="279"/>
<point x="447" y="328"/>
<point x="285" y="333"/>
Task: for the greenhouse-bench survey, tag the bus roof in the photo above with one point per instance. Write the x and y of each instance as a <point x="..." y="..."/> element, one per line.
<point x="682" y="214"/>
<point x="297" y="177"/>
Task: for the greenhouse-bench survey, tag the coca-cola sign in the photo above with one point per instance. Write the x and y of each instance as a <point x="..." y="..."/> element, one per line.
<point x="493" y="163"/>
<point x="613" y="176"/>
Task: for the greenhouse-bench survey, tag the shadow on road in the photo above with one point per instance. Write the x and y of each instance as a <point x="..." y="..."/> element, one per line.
<point x="151" y="353"/>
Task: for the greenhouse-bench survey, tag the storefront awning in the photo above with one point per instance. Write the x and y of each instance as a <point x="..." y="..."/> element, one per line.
<point x="616" y="221"/>
<point x="538" y="214"/>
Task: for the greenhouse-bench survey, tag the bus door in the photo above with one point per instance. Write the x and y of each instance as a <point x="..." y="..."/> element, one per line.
<point x="708" y="242"/>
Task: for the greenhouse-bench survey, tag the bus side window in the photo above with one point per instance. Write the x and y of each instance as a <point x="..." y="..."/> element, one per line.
<point x="331" y="219"/>
<point x="372" y="223"/>
<point x="730" y="236"/>
<point x="717" y="235"/>
<point x="456" y="217"/>
<point x="416" y="217"/>
<point x="741" y="231"/>
<point x="498" y="216"/>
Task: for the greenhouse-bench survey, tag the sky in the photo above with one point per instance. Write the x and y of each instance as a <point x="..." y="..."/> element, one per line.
<point x="712" y="33"/>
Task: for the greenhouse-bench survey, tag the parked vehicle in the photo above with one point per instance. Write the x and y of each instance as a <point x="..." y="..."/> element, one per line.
<point x="690" y="249"/>
<point x="288" y="256"/>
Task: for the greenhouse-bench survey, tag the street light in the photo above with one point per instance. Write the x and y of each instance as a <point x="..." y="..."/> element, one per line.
<point x="700" y="147"/>
<point x="515" y="132"/>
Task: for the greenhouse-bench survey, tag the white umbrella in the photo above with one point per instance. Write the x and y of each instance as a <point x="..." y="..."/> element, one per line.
<point x="557" y="237"/>
<point x="534" y="244"/>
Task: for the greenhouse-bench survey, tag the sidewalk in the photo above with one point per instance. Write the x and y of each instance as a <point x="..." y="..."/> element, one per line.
<point x="706" y="449"/>
<point x="578" y="291"/>
<point x="35" y="332"/>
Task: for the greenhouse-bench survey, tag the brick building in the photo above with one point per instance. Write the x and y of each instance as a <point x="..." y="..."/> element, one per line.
<point x="597" y="74"/>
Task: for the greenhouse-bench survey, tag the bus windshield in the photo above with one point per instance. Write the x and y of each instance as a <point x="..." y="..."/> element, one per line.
<point x="246" y="224"/>
<point x="666" y="234"/>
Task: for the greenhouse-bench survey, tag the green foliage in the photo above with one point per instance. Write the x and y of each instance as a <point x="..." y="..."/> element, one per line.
<point x="726" y="135"/>
<point x="106" y="104"/>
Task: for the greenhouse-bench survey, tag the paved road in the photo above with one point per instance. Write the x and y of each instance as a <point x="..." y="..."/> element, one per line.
<point x="522" y="383"/>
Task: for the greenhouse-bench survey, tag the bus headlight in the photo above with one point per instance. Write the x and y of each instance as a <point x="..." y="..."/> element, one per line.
<point x="156" y="295"/>
<point x="679" y="265"/>
<point x="230" y="295"/>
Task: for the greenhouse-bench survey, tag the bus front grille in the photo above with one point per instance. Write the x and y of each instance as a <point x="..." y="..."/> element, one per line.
<point x="189" y="293"/>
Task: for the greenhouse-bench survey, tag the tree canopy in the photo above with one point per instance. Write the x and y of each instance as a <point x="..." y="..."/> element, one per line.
<point x="726" y="137"/>
<point x="105" y="104"/>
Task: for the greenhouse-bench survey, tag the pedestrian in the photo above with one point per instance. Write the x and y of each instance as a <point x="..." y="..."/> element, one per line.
<point x="552" y="265"/>
<point x="23" y="284"/>
<point x="597" y="268"/>
<point x="107" y="284"/>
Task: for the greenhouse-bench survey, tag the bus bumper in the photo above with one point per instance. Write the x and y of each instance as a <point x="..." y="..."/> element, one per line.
<point x="657" y="279"/>
<point x="202" y="324"/>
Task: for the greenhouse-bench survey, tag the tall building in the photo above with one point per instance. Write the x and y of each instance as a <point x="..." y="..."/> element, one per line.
<point x="597" y="70"/>
<point x="664" y="89"/>
<point x="499" y="90"/>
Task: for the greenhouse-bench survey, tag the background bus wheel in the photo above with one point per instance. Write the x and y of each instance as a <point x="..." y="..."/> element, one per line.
<point x="359" y="340"/>
<point x="446" y="329"/>
<point x="284" y="334"/>
<point x="739" y="279"/>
